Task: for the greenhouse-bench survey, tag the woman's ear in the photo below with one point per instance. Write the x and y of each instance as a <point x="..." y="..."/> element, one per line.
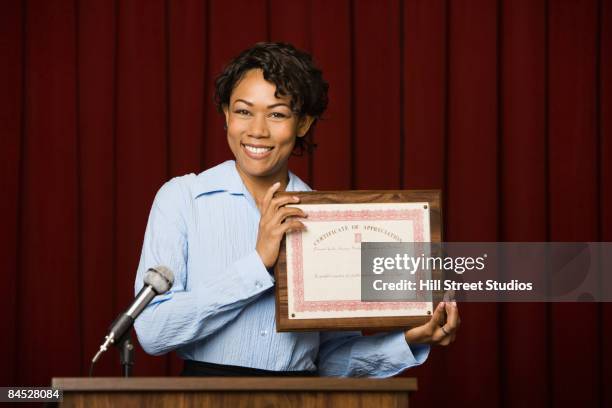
<point x="304" y="125"/>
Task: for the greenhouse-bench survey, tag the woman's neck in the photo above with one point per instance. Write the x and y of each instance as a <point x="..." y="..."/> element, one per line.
<point x="258" y="185"/>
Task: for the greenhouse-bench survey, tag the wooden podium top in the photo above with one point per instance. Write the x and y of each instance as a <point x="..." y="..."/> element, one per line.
<point x="234" y="384"/>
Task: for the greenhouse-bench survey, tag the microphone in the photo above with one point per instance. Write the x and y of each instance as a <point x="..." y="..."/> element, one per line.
<point x="157" y="281"/>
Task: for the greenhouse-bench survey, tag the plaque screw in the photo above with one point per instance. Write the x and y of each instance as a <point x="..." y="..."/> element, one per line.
<point x="425" y="206"/>
<point x="292" y="314"/>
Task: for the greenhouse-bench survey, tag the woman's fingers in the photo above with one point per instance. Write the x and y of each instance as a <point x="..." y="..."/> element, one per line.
<point x="287" y="212"/>
<point x="445" y="341"/>
<point x="436" y="322"/>
<point x="438" y="317"/>
<point x="438" y="336"/>
<point x="278" y="202"/>
<point x="452" y="317"/>
<point x="271" y="227"/>
<point x="268" y="197"/>
<point x="290" y="226"/>
<point x="441" y="328"/>
<point x="446" y="319"/>
<point x="271" y="207"/>
<point x="293" y="225"/>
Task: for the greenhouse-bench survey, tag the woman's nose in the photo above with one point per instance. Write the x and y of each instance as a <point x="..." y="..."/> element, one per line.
<point x="258" y="127"/>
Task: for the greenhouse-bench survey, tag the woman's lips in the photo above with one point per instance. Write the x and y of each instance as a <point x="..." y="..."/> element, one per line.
<point x="256" y="152"/>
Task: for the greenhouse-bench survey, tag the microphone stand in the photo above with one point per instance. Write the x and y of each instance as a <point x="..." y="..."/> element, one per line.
<point x="126" y="353"/>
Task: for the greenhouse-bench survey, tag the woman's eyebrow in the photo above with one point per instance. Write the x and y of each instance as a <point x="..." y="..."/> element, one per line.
<point x="268" y="107"/>
<point x="242" y="100"/>
<point x="278" y="104"/>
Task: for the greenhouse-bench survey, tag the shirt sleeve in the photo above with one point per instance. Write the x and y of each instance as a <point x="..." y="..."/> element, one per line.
<point x="184" y="315"/>
<point x="349" y="354"/>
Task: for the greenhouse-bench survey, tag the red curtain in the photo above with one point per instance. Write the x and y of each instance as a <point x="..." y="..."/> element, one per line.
<point x="504" y="105"/>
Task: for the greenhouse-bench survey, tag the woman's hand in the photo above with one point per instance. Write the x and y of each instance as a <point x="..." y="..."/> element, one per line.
<point x="272" y="226"/>
<point x="441" y="329"/>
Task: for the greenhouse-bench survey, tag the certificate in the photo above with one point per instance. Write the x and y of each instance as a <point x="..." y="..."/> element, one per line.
<point x="319" y="269"/>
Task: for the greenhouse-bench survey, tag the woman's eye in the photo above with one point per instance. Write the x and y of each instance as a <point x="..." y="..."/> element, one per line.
<point x="241" y="112"/>
<point x="278" y="115"/>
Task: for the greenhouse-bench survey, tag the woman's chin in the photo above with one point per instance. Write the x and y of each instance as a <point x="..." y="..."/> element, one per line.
<point x="258" y="168"/>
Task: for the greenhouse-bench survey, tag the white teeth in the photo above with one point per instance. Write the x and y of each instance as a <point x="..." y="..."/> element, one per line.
<point x="257" y="150"/>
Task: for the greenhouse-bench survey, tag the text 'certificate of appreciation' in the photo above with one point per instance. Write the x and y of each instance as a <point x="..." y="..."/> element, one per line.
<point x="324" y="261"/>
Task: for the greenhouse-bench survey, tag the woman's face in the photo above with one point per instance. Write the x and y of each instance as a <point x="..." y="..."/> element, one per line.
<point x="261" y="128"/>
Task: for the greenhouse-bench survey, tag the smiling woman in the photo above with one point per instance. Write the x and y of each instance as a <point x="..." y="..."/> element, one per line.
<point x="272" y="95"/>
<point x="262" y="129"/>
<point x="220" y="232"/>
<point x="296" y="80"/>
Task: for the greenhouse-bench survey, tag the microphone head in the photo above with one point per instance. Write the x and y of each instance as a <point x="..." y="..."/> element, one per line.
<point x="160" y="278"/>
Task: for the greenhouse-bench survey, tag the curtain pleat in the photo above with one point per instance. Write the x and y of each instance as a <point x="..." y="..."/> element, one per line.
<point x="96" y="96"/>
<point x="472" y="185"/>
<point x="48" y="302"/>
<point x="523" y="334"/>
<point x="11" y="120"/>
<point x="573" y="189"/>
<point x="331" y="31"/>
<point x="604" y="127"/>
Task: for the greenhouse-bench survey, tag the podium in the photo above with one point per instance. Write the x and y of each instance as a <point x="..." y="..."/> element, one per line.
<point x="310" y="392"/>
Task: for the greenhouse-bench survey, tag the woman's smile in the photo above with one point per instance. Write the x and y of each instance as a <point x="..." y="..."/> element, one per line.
<point x="256" y="151"/>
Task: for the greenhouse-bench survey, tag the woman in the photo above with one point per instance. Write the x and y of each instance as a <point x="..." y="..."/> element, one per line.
<point x="220" y="233"/>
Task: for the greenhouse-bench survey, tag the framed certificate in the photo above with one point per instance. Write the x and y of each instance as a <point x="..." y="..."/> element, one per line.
<point x="318" y="273"/>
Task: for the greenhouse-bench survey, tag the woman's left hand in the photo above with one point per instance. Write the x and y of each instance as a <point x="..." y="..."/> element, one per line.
<point x="440" y="330"/>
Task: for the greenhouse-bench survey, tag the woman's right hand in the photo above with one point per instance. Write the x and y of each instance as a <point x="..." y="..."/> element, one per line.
<point x="272" y="225"/>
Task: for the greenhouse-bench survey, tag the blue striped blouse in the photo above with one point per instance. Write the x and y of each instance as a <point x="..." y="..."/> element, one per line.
<point x="221" y="307"/>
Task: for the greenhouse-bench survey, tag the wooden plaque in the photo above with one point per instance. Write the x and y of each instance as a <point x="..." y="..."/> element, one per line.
<point x="431" y="198"/>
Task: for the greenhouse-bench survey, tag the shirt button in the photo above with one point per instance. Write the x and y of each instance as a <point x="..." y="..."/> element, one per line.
<point x="258" y="284"/>
<point x="263" y="333"/>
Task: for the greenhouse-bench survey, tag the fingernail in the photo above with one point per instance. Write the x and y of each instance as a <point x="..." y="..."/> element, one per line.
<point x="296" y="198"/>
<point x="441" y="304"/>
<point x="277" y="184"/>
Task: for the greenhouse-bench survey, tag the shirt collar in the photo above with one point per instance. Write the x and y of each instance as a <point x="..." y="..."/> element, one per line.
<point x="225" y="177"/>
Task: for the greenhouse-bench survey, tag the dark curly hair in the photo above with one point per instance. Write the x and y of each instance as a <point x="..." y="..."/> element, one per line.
<point x="291" y="70"/>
